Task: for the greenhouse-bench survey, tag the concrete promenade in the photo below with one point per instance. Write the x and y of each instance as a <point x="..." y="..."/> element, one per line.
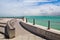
<point x="22" y="34"/>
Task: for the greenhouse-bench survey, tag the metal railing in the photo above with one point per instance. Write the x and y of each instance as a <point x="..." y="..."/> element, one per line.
<point x="47" y="23"/>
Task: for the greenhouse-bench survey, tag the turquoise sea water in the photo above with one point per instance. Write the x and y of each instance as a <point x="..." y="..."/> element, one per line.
<point x="43" y="20"/>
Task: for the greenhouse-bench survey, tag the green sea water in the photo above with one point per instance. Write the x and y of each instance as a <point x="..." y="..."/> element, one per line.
<point x="43" y="20"/>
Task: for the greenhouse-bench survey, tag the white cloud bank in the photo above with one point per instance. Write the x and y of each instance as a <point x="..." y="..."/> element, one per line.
<point x="44" y="10"/>
<point x="25" y="7"/>
<point x="39" y="0"/>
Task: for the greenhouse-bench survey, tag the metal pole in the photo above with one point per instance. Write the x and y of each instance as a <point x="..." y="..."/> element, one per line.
<point x="26" y="20"/>
<point x="49" y="24"/>
<point x="33" y="21"/>
<point x="23" y="18"/>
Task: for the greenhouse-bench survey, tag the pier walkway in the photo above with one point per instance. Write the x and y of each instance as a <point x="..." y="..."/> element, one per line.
<point x="22" y="34"/>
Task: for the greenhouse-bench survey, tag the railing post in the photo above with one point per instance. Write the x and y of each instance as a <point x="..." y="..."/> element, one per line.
<point x="26" y="20"/>
<point x="33" y="21"/>
<point x="23" y="18"/>
<point x="49" y="24"/>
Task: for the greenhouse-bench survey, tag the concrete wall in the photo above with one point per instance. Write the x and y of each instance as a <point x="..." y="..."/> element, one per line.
<point x="43" y="32"/>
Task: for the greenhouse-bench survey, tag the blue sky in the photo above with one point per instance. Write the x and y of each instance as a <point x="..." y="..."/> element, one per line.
<point x="29" y="7"/>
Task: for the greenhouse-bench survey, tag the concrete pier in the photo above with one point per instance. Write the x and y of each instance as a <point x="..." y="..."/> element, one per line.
<point x="21" y="33"/>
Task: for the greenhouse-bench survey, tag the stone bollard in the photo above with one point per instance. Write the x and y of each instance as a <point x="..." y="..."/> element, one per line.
<point x="9" y="31"/>
<point x="12" y="33"/>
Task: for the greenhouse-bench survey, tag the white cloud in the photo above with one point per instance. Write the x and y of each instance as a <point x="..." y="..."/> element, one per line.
<point x="39" y="0"/>
<point x="43" y="10"/>
<point x="25" y="8"/>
